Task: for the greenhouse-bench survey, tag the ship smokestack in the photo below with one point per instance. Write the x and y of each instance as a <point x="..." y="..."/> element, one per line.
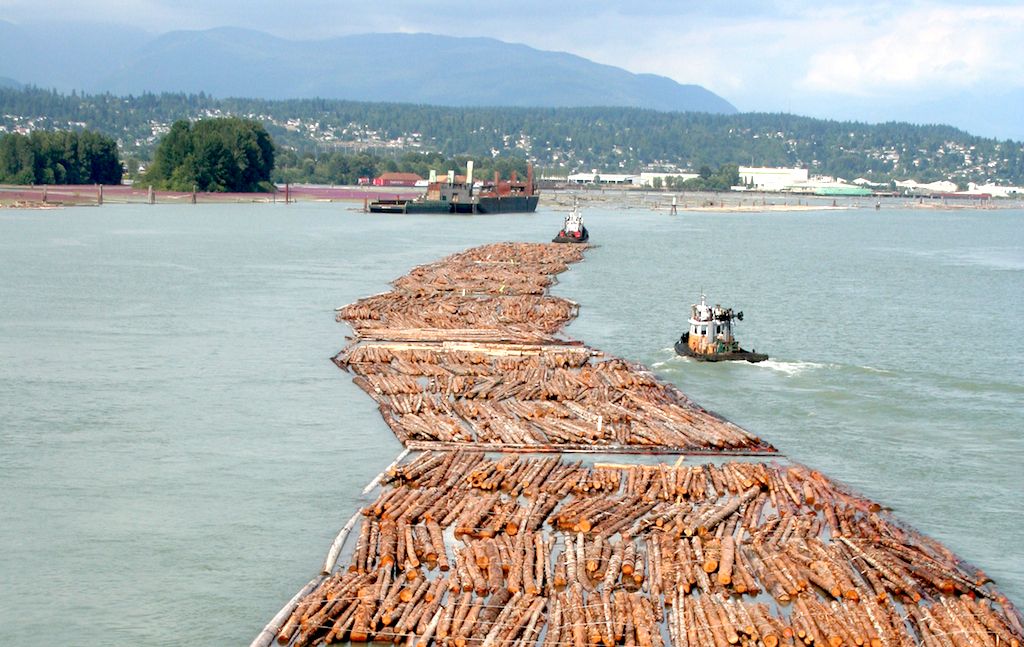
<point x="469" y="176"/>
<point x="529" y="179"/>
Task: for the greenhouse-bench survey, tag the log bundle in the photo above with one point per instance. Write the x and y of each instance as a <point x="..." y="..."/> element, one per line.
<point x="399" y="316"/>
<point x="533" y="395"/>
<point x="512" y="381"/>
<point x="460" y="548"/>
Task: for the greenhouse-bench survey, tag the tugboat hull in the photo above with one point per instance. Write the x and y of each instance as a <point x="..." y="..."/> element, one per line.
<point x="682" y="348"/>
<point x="562" y="237"/>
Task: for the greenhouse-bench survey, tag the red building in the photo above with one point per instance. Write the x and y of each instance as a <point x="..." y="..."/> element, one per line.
<point x="397" y="179"/>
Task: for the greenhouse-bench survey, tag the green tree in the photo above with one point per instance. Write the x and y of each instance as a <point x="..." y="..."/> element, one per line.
<point x="228" y="154"/>
<point x="59" y="157"/>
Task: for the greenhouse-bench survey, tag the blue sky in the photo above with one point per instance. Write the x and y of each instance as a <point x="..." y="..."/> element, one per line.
<point x="859" y="59"/>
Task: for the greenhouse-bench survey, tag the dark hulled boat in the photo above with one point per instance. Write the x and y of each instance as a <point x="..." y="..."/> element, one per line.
<point x="573" y="230"/>
<point x="454" y="196"/>
<point x="710" y="339"/>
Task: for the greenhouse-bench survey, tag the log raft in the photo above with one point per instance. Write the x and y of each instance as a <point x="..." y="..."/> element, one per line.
<point x="477" y="537"/>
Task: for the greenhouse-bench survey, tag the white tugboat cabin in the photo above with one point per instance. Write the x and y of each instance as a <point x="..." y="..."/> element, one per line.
<point x="573" y="230"/>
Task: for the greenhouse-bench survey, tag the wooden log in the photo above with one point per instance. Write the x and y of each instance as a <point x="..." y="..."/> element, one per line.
<point x="708" y="618"/>
<point x="495" y="574"/>
<point x="640" y="626"/>
<point x="559" y="579"/>
<point x="728" y="557"/>
<point x="717" y="606"/>
<point x="712" y="554"/>
<point x="581" y="564"/>
<point x="528" y="565"/>
<point x="469" y="624"/>
<point x="360" y="625"/>
<point x="764" y="629"/>
<point x="554" y="634"/>
<point x="628" y="557"/>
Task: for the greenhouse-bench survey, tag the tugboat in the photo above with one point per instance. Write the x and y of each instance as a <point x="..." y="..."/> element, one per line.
<point x="710" y="336"/>
<point x="573" y="230"/>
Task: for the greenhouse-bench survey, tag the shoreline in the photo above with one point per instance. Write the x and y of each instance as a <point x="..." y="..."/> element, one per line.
<point x="27" y="197"/>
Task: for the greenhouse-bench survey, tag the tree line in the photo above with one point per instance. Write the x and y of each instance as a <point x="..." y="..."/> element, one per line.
<point x="61" y="157"/>
<point x="337" y="168"/>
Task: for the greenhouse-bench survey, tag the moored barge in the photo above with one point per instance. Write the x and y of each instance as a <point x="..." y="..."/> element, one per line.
<point x="456" y="195"/>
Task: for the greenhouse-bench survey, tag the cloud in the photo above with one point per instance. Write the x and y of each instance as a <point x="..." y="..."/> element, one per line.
<point x="919" y="48"/>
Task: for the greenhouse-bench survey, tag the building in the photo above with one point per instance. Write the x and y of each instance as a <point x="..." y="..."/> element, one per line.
<point x="773" y="179"/>
<point x="994" y="190"/>
<point x="911" y="187"/>
<point x="647" y="179"/>
<point x="397" y="179"/>
<point x="602" y="178"/>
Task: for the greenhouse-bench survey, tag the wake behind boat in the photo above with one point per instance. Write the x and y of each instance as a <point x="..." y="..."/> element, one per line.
<point x="710" y="336"/>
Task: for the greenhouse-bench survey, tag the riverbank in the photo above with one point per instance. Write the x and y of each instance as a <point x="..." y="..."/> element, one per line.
<point x="356" y="197"/>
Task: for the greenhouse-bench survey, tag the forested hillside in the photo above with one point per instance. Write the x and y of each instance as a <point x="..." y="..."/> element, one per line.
<point x="558" y="140"/>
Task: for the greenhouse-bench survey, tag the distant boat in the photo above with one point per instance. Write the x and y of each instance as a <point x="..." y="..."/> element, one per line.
<point x="710" y="339"/>
<point x="573" y="230"/>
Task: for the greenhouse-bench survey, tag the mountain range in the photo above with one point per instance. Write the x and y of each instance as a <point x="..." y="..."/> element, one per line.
<point x="419" y="69"/>
<point x="406" y="68"/>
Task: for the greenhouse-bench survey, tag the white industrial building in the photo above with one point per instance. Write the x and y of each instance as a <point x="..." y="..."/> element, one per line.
<point x="647" y="179"/>
<point x="995" y="190"/>
<point x="602" y="178"/>
<point x="773" y="179"/>
<point x="941" y="186"/>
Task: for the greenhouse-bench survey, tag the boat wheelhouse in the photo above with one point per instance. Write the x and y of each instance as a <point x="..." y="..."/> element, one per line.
<point x="710" y="337"/>
<point x="573" y="230"/>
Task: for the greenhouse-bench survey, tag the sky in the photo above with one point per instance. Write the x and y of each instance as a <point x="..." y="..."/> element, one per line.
<point x="858" y="59"/>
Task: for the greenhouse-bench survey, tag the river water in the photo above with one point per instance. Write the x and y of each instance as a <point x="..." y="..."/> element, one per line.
<point x="177" y="451"/>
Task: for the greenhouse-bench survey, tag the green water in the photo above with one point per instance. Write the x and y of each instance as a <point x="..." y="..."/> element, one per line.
<point x="177" y="452"/>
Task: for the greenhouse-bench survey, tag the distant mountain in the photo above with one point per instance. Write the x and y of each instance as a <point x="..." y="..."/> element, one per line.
<point x="6" y="82"/>
<point x="408" y="68"/>
<point x="989" y="114"/>
<point x="65" y="56"/>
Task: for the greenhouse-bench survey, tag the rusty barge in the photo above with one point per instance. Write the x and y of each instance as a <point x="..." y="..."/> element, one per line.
<point x="460" y="195"/>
